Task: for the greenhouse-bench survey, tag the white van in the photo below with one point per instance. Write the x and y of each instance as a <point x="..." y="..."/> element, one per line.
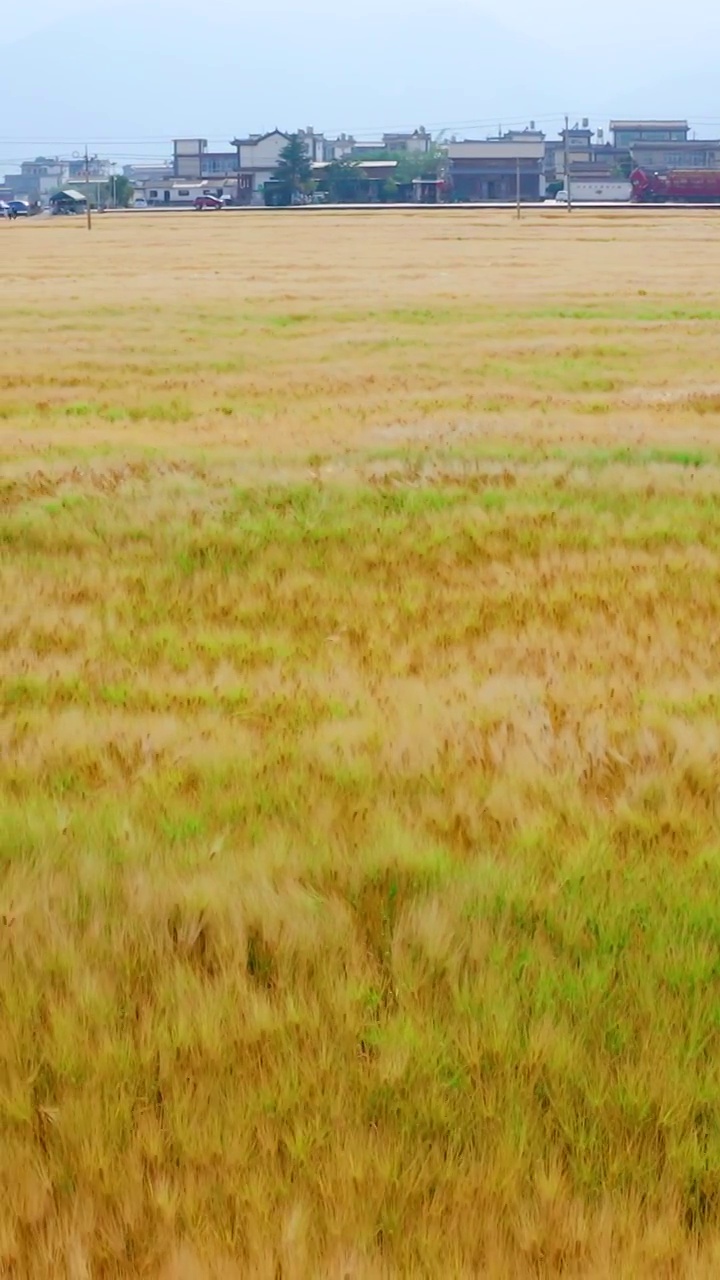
<point x="588" y="191"/>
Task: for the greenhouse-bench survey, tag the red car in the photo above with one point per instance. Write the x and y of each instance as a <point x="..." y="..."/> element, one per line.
<point x="208" y="202"/>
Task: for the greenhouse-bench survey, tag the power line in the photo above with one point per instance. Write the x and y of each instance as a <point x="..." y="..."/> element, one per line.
<point x="128" y="150"/>
<point x="375" y="127"/>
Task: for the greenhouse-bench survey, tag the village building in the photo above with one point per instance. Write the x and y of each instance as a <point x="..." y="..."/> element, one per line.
<point x="495" y="169"/>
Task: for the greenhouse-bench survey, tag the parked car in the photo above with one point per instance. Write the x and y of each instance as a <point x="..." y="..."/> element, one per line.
<point x="21" y="208"/>
<point x="4" y="209"/>
<point x="208" y="202"/>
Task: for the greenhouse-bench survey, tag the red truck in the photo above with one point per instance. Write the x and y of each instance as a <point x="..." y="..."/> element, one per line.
<point x="683" y="186"/>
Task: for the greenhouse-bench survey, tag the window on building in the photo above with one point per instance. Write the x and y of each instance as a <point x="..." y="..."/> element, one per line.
<point x="679" y="159"/>
<point x="153" y="195"/>
<point x="183" y="193"/>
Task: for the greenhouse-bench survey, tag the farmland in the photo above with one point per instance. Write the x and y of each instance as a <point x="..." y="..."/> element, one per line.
<point x="360" y="745"/>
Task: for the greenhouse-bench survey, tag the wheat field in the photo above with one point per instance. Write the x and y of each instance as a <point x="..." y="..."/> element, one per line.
<point x="360" y="745"/>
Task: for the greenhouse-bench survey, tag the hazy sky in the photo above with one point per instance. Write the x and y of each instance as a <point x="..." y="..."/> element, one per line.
<point x="151" y="70"/>
<point x="562" y="23"/>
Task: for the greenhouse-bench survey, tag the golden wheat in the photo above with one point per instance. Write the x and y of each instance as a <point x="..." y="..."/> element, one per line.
<point x="360" y="746"/>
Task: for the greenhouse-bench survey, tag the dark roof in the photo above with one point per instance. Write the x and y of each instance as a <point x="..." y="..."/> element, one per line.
<point x="69" y="194"/>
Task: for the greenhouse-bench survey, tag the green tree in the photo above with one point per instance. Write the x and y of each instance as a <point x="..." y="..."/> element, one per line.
<point x="340" y="180"/>
<point x="419" y="164"/>
<point x="294" y="170"/>
<point x="121" y="191"/>
<point x="412" y="164"/>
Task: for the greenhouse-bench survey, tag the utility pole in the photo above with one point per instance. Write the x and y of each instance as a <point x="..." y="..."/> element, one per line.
<point x="517" y="183"/>
<point x="568" y="192"/>
<point x="239" y="176"/>
<point x="87" y="189"/>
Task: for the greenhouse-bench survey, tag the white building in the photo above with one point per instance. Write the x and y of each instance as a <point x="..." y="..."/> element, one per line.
<point x="172" y="193"/>
<point x="41" y="178"/>
<point x="243" y="171"/>
<point x="246" y="168"/>
<point x="257" y="160"/>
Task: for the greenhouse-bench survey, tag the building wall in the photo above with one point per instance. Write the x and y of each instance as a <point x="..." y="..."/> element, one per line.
<point x="628" y="137"/>
<point x="173" y="194"/>
<point x="362" y="149"/>
<point x="260" y="177"/>
<point x="488" y="170"/>
<point x="496" y="151"/>
<point x="37" y="181"/>
<point x="219" y="163"/>
<point x="241" y="188"/>
<point x="698" y="156"/>
<point x="188" y="154"/>
<point x="50" y="183"/>
<point x="417" y="142"/>
<point x="316" y="145"/>
<point x="97" y="169"/>
<point x="602" y="189"/>
<point x="600" y="156"/>
<point x="263" y="154"/>
<point x="339" y="148"/>
<point x="501" y="187"/>
<point x="147" y="173"/>
<point x="495" y="181"/>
